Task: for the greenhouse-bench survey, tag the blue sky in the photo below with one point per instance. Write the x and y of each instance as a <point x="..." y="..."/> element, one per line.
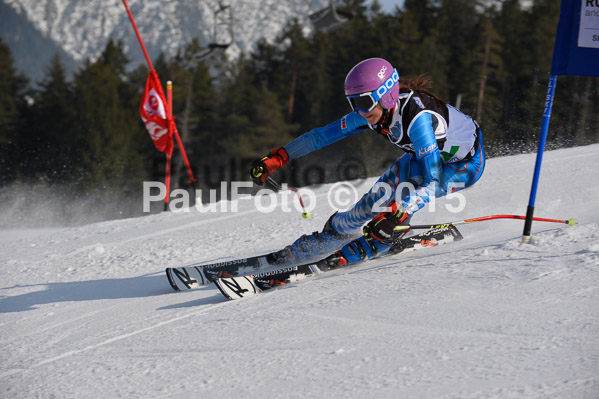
<point x="389" y="5"/>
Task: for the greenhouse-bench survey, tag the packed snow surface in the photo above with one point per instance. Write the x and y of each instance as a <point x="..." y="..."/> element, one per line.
<point x="88" y="312"/>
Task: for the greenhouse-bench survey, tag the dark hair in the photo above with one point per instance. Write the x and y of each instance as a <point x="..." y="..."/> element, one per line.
<point x="421" y="83"/>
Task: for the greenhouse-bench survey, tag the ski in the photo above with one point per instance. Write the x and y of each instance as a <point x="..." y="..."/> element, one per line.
<point x="237" y="287"/>
<point x="196" y="275"/>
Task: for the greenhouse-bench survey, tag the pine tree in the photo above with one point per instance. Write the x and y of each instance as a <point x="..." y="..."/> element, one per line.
<point x="50" y="133"/>
<point x="196" y="112"/>
<point x="108" y="133"/>
<point x="512" y="24"/>
<point x="255" y="116"/>
<point x="488" y="68"/>
<point x="13" y="111"/>
<point x="458" y="33"/>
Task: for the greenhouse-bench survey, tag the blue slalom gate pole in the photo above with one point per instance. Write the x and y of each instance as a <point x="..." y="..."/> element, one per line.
<point x="526" y="235"/>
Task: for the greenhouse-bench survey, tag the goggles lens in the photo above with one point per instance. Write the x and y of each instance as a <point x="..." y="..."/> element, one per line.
<point x="363" y="102"/>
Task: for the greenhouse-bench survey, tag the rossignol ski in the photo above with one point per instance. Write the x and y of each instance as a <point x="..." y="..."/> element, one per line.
<point x="242" y="286"/>
<point x="197" y="275"/>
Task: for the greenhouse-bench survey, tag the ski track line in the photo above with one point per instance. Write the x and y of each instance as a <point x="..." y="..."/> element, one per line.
<point x="161" y="232"/>
<point x="12" y="372"/>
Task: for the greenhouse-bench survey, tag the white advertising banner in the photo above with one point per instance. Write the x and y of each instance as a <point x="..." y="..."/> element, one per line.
<point x="588" y="33"/>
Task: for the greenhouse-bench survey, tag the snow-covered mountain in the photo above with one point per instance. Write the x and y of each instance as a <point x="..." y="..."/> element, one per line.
<point x="81" y="28"/>
<point x="87" y="312"/>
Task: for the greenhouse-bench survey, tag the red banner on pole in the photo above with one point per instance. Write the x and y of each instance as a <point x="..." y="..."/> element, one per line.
<point x="156" y="114"/>
<point x="153" y="110"/>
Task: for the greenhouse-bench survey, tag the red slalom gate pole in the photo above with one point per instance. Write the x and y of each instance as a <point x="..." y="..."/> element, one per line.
<point x="192" y="179"/>
<point x="172" y="125"/>
<point x="141" y="43"/>
<point x="276" y="185"/>
<point x="169" y="155"/>
<point x="569" y="222"/>
<point x="175" y="131"/>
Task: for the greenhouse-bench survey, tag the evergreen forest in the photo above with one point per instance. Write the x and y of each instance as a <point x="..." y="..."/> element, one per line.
<point x="83" y="133"/>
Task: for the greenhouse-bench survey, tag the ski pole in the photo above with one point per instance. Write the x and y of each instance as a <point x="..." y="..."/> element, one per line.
<point x="276" y="185"/>
<point x="569" y="222"/>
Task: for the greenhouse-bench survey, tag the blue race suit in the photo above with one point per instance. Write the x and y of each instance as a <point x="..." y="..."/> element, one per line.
<point x="444" y="153"/>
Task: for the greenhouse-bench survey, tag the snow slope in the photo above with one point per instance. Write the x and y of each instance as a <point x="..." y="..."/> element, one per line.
<point x="87" y="312"/>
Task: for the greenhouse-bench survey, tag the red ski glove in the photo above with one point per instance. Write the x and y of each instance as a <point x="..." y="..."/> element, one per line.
<point x="260" y="169"/>
<point x="382" y="226"/>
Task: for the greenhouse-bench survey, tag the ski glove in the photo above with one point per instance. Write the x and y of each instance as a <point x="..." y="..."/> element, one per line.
<point x="381" y="227"/>
<point x="260" y="169"/>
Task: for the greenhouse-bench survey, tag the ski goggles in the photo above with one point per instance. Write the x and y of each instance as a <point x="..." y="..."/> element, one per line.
<point x="367" y="101"/>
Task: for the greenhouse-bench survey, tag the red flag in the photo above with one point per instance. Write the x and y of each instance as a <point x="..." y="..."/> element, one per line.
<point x="153" y="114"/>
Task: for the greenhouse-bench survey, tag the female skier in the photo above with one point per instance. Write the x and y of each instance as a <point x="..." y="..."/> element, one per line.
<point x="443" y="153"/>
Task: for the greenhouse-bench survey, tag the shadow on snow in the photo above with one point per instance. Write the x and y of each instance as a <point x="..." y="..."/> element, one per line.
<point x="134" y="287"/>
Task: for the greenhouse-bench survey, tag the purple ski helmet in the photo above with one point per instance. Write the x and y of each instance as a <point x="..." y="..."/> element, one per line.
<point x="370" y="82"/>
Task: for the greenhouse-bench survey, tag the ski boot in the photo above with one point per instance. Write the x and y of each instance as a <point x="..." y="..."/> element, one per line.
<point x="363" y="249"/>
<point x="370" y="245"/>
<point x="357" y="251"/>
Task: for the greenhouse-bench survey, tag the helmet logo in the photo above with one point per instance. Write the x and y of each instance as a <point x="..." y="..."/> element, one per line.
<point x="381" y="73"/>
<point x="389" y="83"/>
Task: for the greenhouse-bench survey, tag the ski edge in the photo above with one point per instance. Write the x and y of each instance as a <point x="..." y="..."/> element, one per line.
<point x="186" y="278"/>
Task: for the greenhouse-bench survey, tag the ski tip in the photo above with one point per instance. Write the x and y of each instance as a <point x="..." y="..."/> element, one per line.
<point x="169" y="276"/>
<point x="457" y="236"/>
<point x="236" y="287"/>
<point x="217" y="284"/>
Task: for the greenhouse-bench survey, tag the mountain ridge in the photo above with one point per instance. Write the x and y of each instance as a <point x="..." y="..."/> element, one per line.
<point x="79" y="30"/>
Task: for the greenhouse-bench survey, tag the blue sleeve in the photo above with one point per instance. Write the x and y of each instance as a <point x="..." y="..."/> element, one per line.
<point x="429" y="159"/>
<point x="323" y="136"/>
